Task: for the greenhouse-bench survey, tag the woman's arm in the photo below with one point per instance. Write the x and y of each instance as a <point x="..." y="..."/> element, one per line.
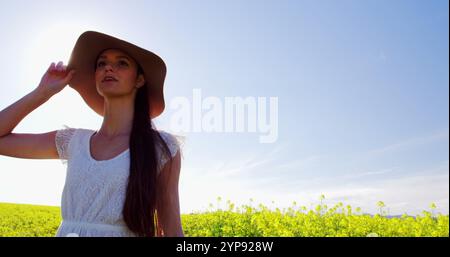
<point x="53" y="81"/>
<point x="34" y="146"/>
<point x="169" y="205"/>
<point x="13" y="114"/>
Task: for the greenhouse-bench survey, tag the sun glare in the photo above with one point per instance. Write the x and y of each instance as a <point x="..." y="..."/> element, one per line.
<point x="52" y="44"/>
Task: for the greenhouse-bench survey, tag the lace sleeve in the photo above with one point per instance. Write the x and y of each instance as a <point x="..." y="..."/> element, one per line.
<point x="175" y="144"/>
<point x="62" y="140"/>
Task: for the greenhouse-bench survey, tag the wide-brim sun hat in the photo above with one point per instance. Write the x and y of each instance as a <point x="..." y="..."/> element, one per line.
<point x="83" y="57"/>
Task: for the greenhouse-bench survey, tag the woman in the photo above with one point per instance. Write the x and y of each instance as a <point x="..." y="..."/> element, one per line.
<point x="122" y="180"/>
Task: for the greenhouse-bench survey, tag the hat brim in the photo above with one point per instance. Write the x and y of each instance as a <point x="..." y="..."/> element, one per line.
<point x="83" y="57"/>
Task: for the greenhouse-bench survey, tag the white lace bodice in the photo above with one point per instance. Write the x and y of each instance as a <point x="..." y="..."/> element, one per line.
<point x="94" y="190"/>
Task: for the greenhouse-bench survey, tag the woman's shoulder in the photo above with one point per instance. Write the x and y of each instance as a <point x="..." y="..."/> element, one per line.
<point x="65" y="140"/>
<point x="73" y="130"/>
<point x="170" y="137"/>
<point x="173" y="141"/>
<point x="66" y="133"/>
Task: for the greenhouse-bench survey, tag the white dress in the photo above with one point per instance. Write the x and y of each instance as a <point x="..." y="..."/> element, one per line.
<point x="94" y="190"/>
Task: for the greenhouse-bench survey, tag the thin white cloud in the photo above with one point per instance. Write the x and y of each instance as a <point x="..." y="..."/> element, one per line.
<point x="245" y="165"/>
<point x="409" y="143"/>
<point x="301" y="163"/>
<point x="234" y="169"/>
<point x="370" y="173"/>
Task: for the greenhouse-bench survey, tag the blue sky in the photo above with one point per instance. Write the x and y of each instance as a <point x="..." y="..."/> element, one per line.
<point x="362" y="87"/>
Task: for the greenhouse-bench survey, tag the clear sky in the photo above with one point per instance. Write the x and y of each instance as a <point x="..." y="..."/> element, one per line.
<point x="362" y="88"/>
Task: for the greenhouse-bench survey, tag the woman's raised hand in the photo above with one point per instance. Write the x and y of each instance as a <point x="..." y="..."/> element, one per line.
<point x="55" y="79"/>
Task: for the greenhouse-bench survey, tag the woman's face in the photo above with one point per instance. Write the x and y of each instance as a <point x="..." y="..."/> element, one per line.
<point x="115" y="74"/>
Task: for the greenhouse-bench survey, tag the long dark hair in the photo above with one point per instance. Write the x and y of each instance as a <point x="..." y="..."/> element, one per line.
<point x="144" y="189"/>
<point x="140" y="208"/>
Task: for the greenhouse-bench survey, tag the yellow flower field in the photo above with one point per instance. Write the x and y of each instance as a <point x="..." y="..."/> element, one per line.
<point x="249" y="221"/>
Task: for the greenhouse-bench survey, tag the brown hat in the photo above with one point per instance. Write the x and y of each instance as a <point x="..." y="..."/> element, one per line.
<point x="87" y="48"/>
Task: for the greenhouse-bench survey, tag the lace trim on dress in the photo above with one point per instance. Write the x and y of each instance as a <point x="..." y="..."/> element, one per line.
<point x="175" y="144"/>
<point x="62" y="140"/>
